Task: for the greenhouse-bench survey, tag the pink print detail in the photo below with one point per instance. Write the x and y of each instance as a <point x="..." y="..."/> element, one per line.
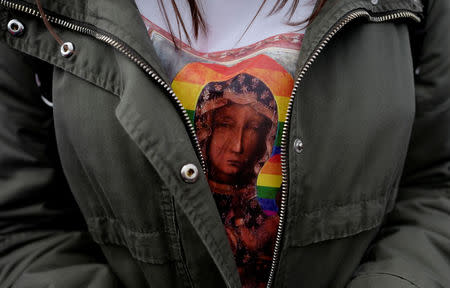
<point x="286" y="40"/>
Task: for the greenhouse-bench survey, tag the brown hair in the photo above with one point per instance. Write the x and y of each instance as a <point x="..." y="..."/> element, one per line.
<point x="198" y="22"/>
<point x="47" y="24"/>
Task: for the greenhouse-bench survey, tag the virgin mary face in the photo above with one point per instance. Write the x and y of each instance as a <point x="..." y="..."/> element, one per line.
<point x="237" y="143"/>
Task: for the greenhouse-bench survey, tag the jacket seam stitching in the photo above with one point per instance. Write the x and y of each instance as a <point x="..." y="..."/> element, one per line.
<point x="368" y="275"/>
<point x="149" y="234"/>
<point x="350" y="204"/>
<point x="147" y="259"/>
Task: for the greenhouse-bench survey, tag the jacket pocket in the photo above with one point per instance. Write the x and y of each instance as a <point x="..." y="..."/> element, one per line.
<point x="355" y="131"/>
<point x="149" y="247"/>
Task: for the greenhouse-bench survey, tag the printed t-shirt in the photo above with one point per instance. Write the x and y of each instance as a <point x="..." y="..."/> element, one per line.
<point x="236" y="88"/>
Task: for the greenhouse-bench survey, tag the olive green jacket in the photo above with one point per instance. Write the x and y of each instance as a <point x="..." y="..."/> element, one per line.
<point x="91" y="193"/>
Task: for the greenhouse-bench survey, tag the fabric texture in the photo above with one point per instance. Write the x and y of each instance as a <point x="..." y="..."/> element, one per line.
<point x="91" y="192"/>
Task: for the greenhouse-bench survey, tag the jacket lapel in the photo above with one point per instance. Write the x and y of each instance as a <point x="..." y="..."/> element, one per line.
<point x="151" y="120"/>
<point x="149" y="115"/>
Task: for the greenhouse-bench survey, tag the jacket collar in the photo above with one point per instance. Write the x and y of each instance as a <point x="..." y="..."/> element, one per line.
<point x="333" y="12"/>
<point x="121" y="18"/>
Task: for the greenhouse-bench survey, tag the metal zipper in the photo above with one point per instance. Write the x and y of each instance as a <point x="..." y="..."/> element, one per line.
<point x="123" y="48"/>
<point x="284" y="136"/>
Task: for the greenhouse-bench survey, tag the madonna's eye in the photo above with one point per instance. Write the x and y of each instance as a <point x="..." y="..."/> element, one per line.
<point x="224" y="124"/>
<point x="254" y="125"/>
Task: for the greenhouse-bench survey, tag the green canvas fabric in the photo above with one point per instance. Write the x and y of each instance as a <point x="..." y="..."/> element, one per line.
<point x="91" y="193"/>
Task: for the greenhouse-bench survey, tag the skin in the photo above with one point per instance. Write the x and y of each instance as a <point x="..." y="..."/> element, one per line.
<point x="237" y="143"/>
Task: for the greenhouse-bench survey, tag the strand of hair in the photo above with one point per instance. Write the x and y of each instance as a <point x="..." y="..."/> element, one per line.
<point x="47" y="24"/>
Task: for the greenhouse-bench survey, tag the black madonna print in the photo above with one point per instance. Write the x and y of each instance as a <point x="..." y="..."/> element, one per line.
<point x="236" y="124"/>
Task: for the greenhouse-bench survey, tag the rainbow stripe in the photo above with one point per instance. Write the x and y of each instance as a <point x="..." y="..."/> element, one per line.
<point x="189" y="83"/>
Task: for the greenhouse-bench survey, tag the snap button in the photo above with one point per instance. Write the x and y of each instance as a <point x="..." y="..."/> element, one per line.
<point x="374" y="2"/>
<point x="67" y="49"/>
<point x="15" y="27"/>
<point x="417" y="71"/>
<point x="189" y="173"/>
<point x="298" y="145"/>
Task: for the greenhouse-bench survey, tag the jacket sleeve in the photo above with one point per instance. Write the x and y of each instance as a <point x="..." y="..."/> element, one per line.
<point x="43" y="241"/>
<point x="413" y="247"/>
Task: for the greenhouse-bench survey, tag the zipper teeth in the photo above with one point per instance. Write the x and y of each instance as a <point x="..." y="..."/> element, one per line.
<point x="284" y="136"/>
<point x="129" y="53"/>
